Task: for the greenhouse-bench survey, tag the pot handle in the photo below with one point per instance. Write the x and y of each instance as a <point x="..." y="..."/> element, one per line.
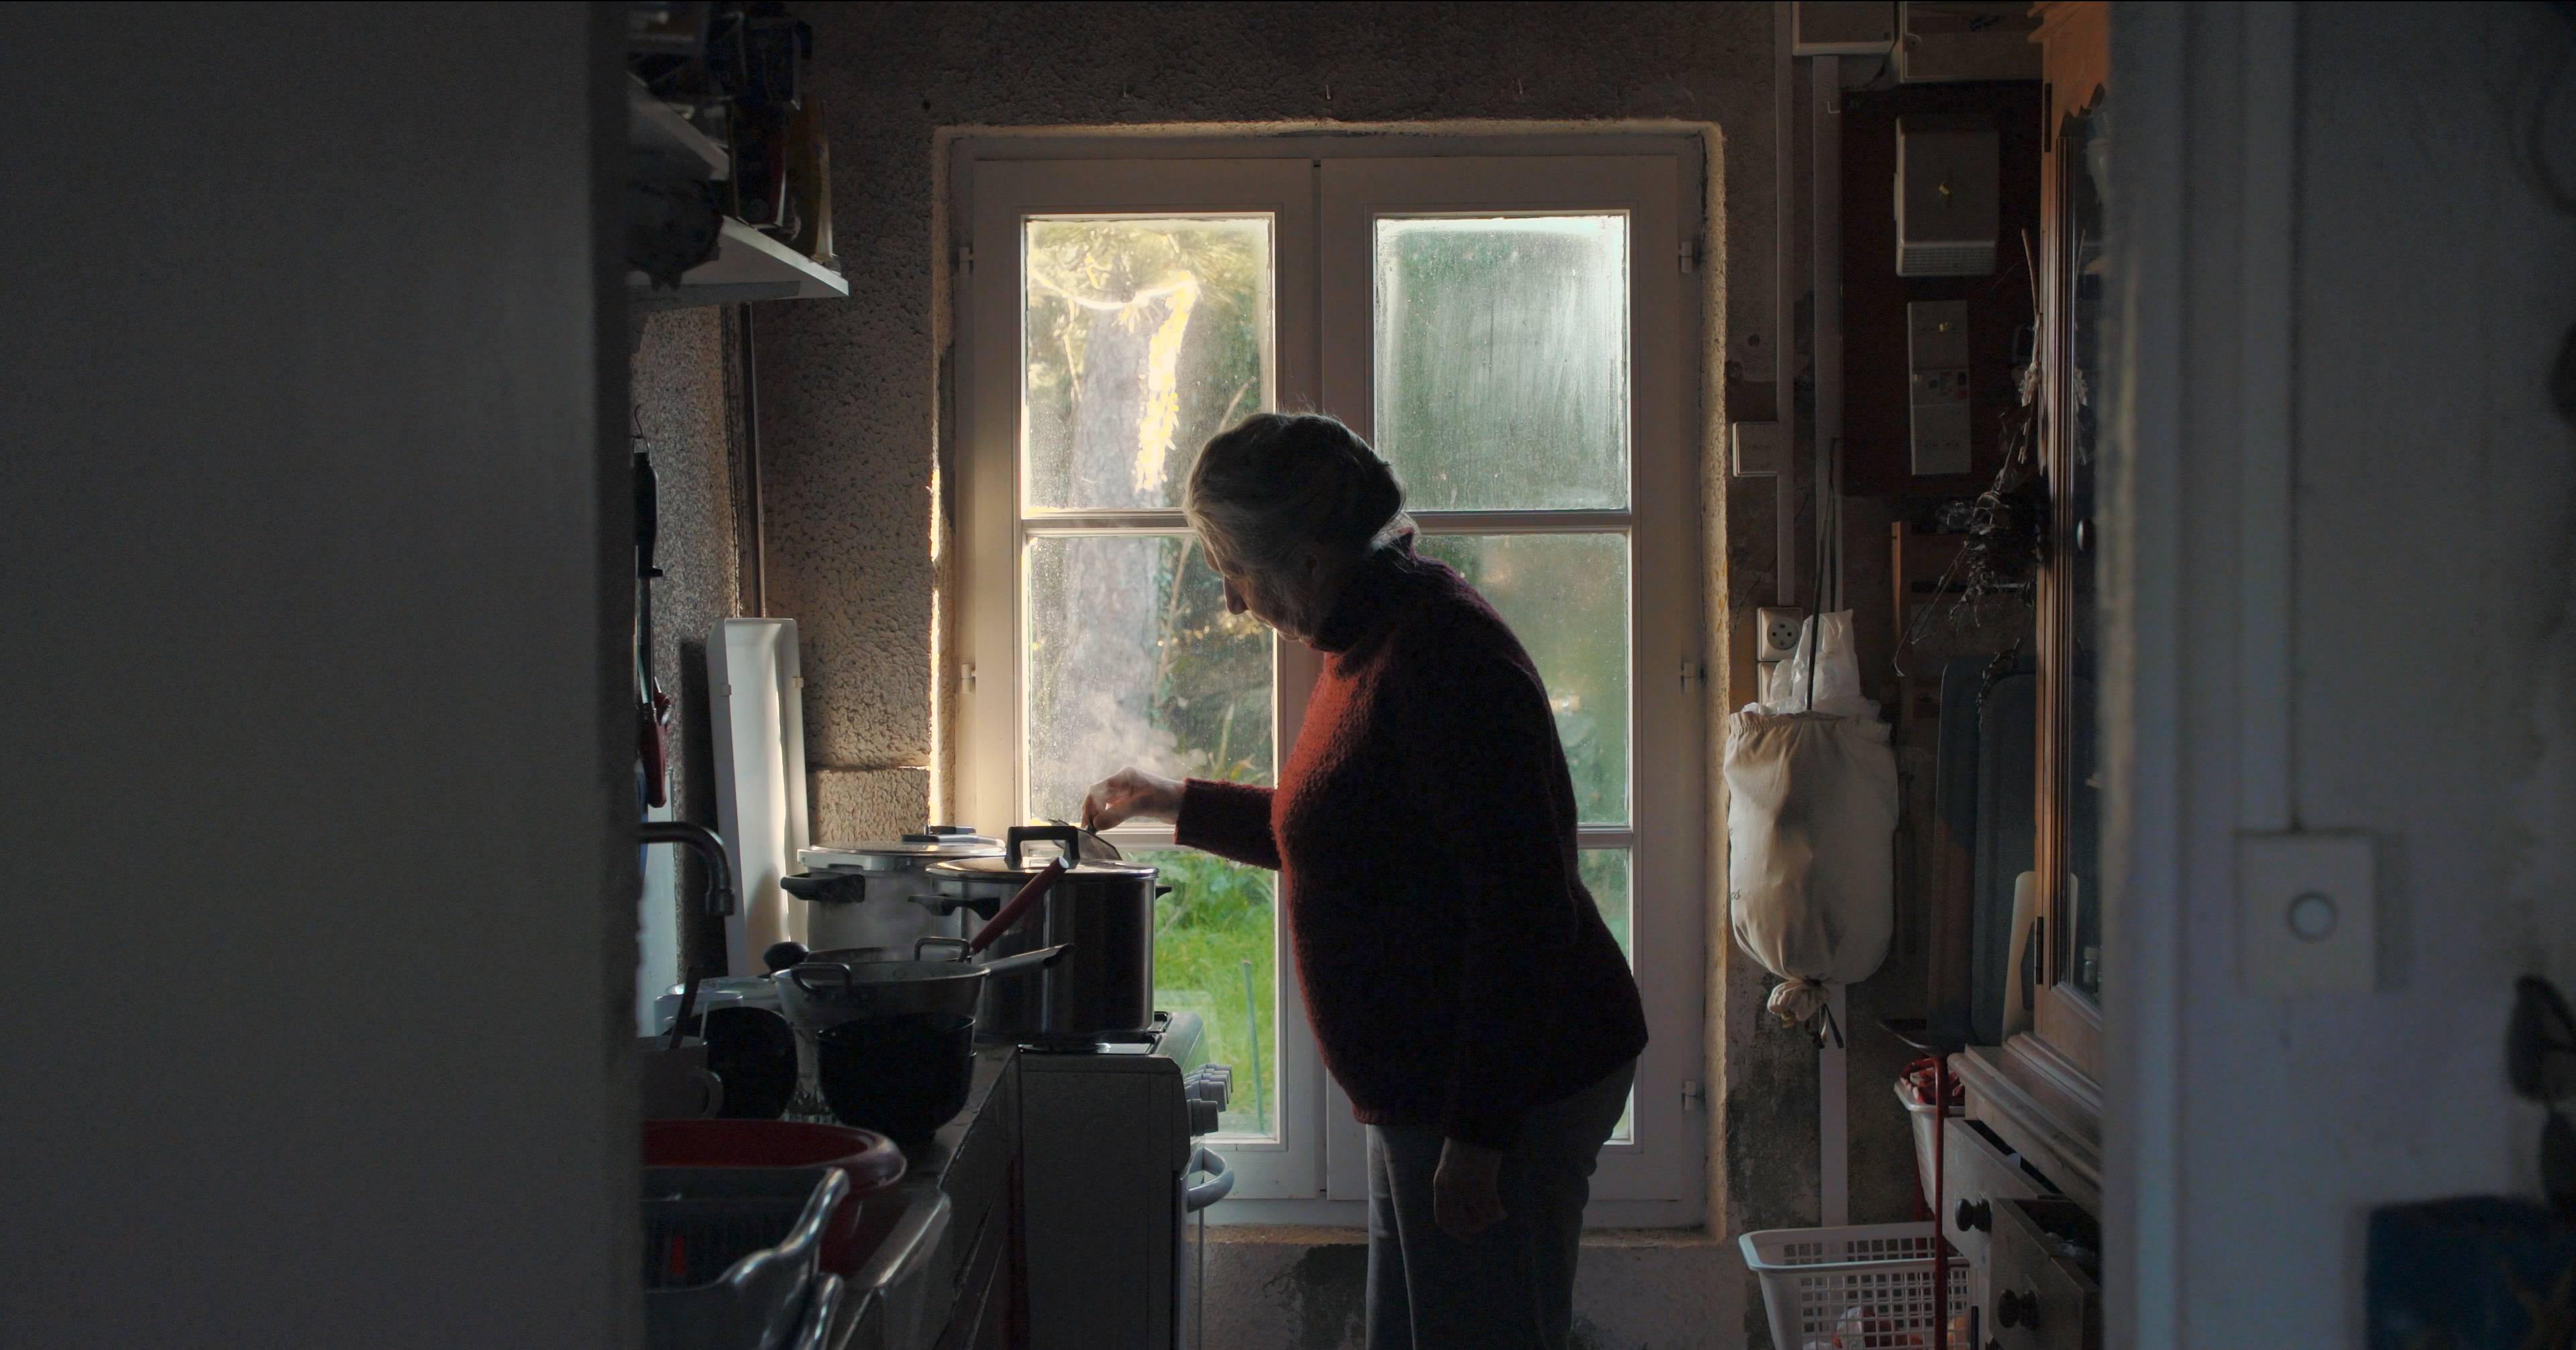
<point x="960" y="944"/>
<point x="826" y="887"/>
<point x="1020" y="904"/>
<point x="1026" y="961"/>
<point x="797" y="973"/>
<point x="1068" y="835"/>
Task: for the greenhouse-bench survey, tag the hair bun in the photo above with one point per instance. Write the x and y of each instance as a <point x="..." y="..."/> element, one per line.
<point x="1276" y="481"/>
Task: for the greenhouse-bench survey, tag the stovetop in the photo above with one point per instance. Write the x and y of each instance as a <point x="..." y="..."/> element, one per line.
<point x="1180" y="1037"/>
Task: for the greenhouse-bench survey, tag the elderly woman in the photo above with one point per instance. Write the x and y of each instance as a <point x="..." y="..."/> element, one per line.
<point x="1463" y="988"/>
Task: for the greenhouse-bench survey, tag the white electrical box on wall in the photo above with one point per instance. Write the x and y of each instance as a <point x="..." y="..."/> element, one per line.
<point x="1949" y="208"/>
<point x="1843" y="28"/>
<point x="1949" y="40"/>
<point x="1936" y="358"/>
<point x="2307" y="913"/>
<point x="1759" y="448"/>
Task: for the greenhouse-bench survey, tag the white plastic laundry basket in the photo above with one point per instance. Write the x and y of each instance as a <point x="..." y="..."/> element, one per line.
<point x="1858" y="1287"/>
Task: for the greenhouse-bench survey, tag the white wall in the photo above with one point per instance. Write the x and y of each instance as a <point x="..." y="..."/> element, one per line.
<point x="2434" y="698"/>
<point x="310" y="913"/>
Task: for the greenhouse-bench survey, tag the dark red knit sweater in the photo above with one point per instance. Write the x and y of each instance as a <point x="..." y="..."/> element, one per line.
<point x="1455" y="970"/>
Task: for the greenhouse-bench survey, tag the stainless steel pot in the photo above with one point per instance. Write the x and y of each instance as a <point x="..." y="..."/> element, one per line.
<point x="880" y="894"/>
<point x="1100" y="908"/>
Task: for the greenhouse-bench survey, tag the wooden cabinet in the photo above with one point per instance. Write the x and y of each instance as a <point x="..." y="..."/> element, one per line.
<point x="2075" y="346"/>
<point x="2041" y="1090"/>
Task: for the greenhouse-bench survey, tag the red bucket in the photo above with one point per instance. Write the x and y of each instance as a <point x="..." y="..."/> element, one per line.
<point x="871" y="1160"/>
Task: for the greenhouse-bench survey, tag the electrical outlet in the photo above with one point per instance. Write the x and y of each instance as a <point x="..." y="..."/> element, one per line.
<point x="1780" y="631"/>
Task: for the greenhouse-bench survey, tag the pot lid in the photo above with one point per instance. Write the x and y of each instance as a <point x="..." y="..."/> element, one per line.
<point x="1000" y="869"/>
<point x="823" y="979"/>
<point x="938" y="843"/>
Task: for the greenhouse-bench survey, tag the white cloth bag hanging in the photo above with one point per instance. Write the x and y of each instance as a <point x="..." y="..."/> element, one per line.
<point x="1811" y="824"/>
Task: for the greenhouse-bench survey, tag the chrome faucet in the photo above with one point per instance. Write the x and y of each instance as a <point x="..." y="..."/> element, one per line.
<point x="720" y="894"/>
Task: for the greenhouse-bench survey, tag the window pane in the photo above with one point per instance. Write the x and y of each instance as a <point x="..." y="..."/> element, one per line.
<point x="1566" y="597"/>
<point x="1215" y="954"/>
<point x="1502" y="361"/>
<point x="1133" y="660"/>
<point x="1141" y="339"/>
<point x="1605" y="874"/>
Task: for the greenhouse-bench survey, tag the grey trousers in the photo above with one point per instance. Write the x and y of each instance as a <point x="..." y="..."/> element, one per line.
<point x="1512" y="1286"/>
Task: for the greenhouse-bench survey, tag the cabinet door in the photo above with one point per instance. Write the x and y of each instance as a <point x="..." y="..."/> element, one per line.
<point x="2036" y="1297"/>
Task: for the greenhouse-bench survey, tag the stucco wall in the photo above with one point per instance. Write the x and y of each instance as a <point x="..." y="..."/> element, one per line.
<point x="850" y="391"/>
<point x="685" y="418"/>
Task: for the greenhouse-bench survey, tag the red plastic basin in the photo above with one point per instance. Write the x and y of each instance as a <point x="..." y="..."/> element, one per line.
<point x="871" y="1160"/>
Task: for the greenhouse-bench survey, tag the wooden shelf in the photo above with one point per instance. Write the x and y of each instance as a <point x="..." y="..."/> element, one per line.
<point x="748" y="265"/>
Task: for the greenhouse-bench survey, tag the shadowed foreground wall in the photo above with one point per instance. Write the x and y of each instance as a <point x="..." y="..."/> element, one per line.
<point x="2433" y="481"/>
<point x="317" y="814"/>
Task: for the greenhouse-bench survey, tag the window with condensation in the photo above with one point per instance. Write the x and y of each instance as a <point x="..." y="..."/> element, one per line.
<point x="1517" y="334"/>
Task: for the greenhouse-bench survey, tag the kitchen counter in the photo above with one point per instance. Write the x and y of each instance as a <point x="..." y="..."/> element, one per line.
<point x="943" y="1276"/>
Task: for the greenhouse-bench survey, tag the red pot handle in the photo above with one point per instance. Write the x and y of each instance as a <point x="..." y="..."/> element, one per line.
<point x="1020" y="904"/>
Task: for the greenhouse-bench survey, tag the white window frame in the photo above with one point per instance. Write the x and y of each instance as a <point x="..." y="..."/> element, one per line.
<point x="1323" y="197"/>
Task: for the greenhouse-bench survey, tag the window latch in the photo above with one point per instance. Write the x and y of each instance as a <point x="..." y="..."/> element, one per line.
<point x="1693" y="1096"/>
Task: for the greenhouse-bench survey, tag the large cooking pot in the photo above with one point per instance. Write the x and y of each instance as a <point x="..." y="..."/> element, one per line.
<point x="829" y="988"/>
<point x="890" y="1045"/>
<point x="1100" y="906"/>
<point x="880" y="894"/>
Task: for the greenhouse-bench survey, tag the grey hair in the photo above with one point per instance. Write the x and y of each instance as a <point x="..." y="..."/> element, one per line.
<point x="1277" y="482"/>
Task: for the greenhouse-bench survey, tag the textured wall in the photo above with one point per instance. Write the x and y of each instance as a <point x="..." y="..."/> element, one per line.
<point x="684" y="418"/>
<point x="850" y="391"/>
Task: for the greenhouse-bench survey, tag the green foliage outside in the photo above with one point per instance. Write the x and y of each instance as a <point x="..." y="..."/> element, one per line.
<point x="1215" y="925"/>
<point x="1208" y="280"/>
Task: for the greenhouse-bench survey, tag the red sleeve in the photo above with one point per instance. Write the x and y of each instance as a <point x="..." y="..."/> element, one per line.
<point x="1230" y="820"/>
<point x="1491" y="778"/>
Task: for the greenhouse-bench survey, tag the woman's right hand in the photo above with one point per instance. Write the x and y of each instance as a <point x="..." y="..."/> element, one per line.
<point x="1130" y="793"/>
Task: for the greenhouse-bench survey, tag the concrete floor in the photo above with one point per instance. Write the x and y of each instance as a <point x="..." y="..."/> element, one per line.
<point x="1280" y="1288"/>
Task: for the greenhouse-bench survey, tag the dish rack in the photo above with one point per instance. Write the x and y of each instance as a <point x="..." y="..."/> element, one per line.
<point x="1856" y="1287"/>
<point x="731" y="1256"/>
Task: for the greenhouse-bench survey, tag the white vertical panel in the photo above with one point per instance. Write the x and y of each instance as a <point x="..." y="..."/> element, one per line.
<point x="1784" y="304"/>
<point x="657" y="929"/>
<point x="1833" y="1114"/>
<point x="1825" y="262"/>
<point x="759" y="711"/>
